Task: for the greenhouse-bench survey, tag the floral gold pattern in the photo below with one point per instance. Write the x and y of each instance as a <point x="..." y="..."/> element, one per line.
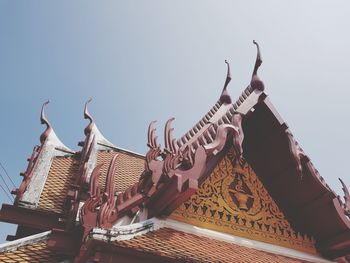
<point x="233" y="200"/>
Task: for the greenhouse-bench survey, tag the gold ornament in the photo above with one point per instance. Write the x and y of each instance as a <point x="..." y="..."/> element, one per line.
<point x="233" y="200"/>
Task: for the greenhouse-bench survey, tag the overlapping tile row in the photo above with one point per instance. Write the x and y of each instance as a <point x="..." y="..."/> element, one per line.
<point x="185" y="247"/>
<point x="63" y="171"/>
<point x="36" y="252"/>
<point x="129" y="168"/>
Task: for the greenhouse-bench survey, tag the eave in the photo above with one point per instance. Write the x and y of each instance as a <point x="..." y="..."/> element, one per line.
<point x="293" y="181"/>
<point x="103" y="244"/>
<point x="30" y="218"/>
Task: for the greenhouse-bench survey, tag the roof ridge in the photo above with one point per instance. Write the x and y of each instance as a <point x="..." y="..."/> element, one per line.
<point x="255" y="84"/>
<point x="123" y="150"/>
<point x="199" y="125"/>
<point x="13" y="245"/>
<point x="226" y="117"/>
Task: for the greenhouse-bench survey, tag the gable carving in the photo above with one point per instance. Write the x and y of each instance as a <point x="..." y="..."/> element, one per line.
<point x="233" y="200"/>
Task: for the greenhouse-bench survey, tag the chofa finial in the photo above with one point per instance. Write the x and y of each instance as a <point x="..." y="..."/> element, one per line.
<point x="44" y="120"/>
<point x="87" y="115"/>
<point x="86" y="112"/>
<point x="225" y="97"/>
<point x="256" y="82"/>
<point x="228" y="76"/>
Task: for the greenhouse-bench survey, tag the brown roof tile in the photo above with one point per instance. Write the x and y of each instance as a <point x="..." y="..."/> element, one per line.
<point x="37" y="252"/>
<point x="62" y="173"/>
<point x="129" y="169"/>
<point x="172" y="244"/>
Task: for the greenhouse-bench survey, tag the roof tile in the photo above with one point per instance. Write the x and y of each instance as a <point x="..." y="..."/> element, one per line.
<point x="37" y="252"/>
<point x="129" y="169"/>
<point x="172" y="244"/>
<point x="62" y="173"/>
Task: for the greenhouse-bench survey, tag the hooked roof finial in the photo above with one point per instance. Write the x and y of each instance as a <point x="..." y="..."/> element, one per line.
<point x="44" y="120"/>
<point x="87" y="115"/>
<point x="168" y="137"/>
<point x="225" y="97"/>
<point x="256" y="82"/>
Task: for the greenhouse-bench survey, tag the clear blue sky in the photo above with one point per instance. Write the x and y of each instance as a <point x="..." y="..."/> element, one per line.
<point x="146" y="60"/>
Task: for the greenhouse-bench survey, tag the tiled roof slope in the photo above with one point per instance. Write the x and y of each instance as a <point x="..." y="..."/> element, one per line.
<point x="62" y="173"/>
<point x="37" y="252"/>
<point x="64" y="170"/>
<point x="172" y="244"/>
<point x="129" y="168"/>
<point x="39" y="165"/>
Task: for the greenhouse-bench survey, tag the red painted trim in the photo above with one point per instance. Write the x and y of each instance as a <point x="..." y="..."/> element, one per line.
<point x="64" y="242"/>
<point x="292" y="180"/>
<point x="30" y="218"/>
<point x="103" y="252"/>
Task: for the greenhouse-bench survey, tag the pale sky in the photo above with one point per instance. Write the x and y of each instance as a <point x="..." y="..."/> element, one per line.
<point x="147" y="60"/>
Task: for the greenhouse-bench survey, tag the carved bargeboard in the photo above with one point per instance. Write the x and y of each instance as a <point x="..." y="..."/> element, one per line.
<point x="233" y="200"/>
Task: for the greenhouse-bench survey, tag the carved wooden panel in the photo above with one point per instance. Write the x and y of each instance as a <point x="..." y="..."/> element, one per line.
<point x="233" y="200"/>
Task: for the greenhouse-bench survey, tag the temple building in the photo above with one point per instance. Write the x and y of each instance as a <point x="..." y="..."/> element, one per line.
<point x="237" y="187"/>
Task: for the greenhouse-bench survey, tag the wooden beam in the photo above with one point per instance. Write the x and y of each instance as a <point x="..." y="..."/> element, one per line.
<point x="29" y="218"/>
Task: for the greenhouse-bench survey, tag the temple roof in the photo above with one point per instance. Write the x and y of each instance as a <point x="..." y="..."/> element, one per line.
<point x="103" y="186"/>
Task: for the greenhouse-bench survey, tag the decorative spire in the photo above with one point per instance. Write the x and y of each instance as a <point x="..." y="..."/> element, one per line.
<point x="45" y="121"/>
<point x="88" y="212"/>
<point x="256" y="82"/>
<point x="87" y="115"/>
<point x="94" y="181"/>
<point x="151" y="136"/>
<point x="110" y="187"/>
<point x="225" y="97"/>
<point x="170" y="146"/>
<point x="107" y="209"/>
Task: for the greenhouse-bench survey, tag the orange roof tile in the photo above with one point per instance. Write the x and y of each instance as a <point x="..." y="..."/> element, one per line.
<point x="37" y="252"/>
<point x="172" y="244"/>
<point x="62" y="173"/>
<point x="129" y="168"/>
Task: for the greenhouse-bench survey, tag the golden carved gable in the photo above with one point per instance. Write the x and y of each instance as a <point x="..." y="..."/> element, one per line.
<point x="233" y="200"/>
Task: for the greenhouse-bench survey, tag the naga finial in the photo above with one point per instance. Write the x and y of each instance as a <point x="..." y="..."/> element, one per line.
<point x="108" y="209"/>
<point x="256" y="82"/>
<point x="346" y="197"/>
<point x="225" y="97"/>
<point x="151" y="136"/>
<point x="44" y="120"/>
<point x="87" y="115"/>
<point x="168" y="138"/>
<point x="110" y="187"/>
